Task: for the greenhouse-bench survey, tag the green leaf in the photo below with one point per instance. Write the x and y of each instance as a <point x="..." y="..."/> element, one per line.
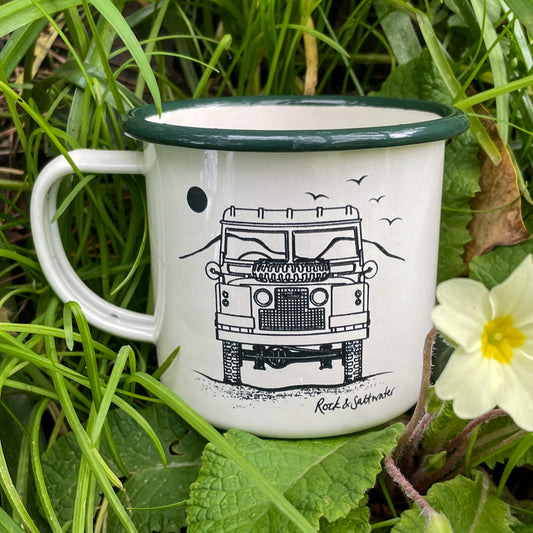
<point x="433" y="463"/>
<point x="203" y="427"/>
<point x="416" y="79"/>
<point x="461" y="172"/>
<point x="442" y="429"/>
<point x="524" y="11"/>
<point x="60" y="470"/>
<point x="420" y="79"/>
<point x="523" y="511"/>
<point x="488" y="446"/>
<point x="460" y="184"/>
<point x="399" y="30"/>
<point x="322" y="478"/>
<point x="495" y="267"/>
<point x="470" y="505"/>
<point x="357" y="520"/>
<point x="150" y="485"/>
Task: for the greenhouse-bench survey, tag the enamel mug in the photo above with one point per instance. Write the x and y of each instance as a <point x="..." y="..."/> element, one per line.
<point x="293" y="253"/>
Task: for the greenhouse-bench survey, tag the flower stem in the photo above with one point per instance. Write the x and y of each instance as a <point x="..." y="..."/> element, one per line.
<point x="480" y="458"/>
<point x="408" y="489"/>
<point x="412" y="444"/>
<point x="457" y="447"/>
<point x="418" y="413"/>
<point x="462" y="438"/>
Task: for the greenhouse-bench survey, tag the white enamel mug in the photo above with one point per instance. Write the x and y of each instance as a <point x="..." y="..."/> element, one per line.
<point x="293" y="252"/>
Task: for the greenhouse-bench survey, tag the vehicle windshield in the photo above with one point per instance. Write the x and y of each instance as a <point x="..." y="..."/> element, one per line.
<point x="242" y="245"/>
<point x="330" y="244"/>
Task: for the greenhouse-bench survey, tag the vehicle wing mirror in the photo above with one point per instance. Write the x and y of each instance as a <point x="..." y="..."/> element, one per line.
<point x="370" y="269"/>
<point x="213" y="270"/>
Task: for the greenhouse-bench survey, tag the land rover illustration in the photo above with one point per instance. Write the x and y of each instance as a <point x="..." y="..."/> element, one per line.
<point x="290" y="288"/>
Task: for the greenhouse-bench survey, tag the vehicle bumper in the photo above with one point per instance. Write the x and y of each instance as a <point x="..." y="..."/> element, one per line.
<point x="292" y="338"/>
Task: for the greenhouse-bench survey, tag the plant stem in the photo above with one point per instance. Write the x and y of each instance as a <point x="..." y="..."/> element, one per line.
<point x="418" y="413"/>
<point x="406" y="486"/>
<point x="461" y="439"/>
<point x="386" y="523"/>
<point x="458" y="447"/>
<point x="509" y="441"/>
<point x="408" y="462"/>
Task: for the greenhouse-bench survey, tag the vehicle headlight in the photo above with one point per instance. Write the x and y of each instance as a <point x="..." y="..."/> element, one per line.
<point x="319" y="296"/>
<point x="262" y="297"/>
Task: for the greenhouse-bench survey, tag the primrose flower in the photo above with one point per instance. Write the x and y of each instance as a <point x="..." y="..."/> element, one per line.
<point x="493" y="362"/>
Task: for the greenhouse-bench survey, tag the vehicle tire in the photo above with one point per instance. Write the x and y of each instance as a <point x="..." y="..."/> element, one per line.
<point x="352" y="360"/>
<point x="314" y="271"/>
<point x="232" y="358"/>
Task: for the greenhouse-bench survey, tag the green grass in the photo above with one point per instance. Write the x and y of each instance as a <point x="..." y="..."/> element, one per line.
<point x="108" y="57"/>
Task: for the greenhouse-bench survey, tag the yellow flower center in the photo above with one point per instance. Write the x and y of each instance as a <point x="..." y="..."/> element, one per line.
<point x="499" y="338"/>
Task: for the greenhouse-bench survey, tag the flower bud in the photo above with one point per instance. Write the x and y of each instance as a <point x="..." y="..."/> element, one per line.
<point x="438" y="523"/>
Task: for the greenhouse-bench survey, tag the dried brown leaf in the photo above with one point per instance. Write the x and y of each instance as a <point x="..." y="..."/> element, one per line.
<point x="311" y="59"/>
<point x="497" y="214"/>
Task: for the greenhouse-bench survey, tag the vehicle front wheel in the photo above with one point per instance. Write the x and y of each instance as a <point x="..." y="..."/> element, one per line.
<point x="352" y="360"/>
<point x="232" y="359"/>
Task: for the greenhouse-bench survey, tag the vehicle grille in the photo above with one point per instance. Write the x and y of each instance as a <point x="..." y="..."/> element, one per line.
<point x="291" y="312"/>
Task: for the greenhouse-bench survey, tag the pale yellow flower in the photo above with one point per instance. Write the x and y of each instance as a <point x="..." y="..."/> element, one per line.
<point x="493" y="330"/>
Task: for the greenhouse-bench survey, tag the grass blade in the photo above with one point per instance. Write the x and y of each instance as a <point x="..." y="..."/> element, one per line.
<point x="8" y="525"/>
<point x="107" y="398"/>
<point x="11" y="94"/>
<point x="115" y="19"/>
<point x="518" y="453"/>
<point x="98" y="467"/>
<point x="42" y="491"/>
<point x="223" y="45"/>
<point x="154" y="32"/>
<point x="211" y="434"/>
<point x="18" y="44"/>
<point x="6" y="481"/>
<point x="18" y="13"/>
<point x="489" y="94"/>
<point x="321" y="37"/>
<point x="454" y="86"/>
<point x="497" y="63"/>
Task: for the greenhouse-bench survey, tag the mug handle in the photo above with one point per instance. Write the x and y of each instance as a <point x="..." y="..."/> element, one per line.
<point x="55" y="265"/>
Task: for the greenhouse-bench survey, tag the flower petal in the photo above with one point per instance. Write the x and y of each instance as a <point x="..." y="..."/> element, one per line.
<point x="513" y="297"/>
<point x="471" y="381"/>
<point x="526" y="348"/>
<point x="516" y="395"/>
<point x="463" y="311"/>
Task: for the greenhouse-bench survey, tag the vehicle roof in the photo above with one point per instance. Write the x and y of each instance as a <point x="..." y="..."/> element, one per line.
<point x="290" y="215"/>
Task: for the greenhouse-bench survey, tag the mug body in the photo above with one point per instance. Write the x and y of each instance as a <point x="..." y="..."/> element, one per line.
<point x="294" y="252"/>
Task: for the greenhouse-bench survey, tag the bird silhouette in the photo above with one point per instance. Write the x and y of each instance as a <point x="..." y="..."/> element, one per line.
<point x="391" y="220"/>
<point x="358" y="180"/>
<point x="378" y="199"/>
<point x="317" y="196"/>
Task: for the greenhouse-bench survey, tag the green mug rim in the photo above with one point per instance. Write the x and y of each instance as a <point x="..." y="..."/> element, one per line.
<point x="449" y="122"/>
